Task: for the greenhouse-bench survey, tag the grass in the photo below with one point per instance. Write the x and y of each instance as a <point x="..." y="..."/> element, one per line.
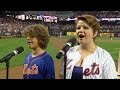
<point x="7" y="45"/>
<point x="112" y="46"/>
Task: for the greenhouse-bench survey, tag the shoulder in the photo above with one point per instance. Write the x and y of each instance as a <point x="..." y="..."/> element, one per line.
<point x="105" y="55"/>
<point x="27" y="57"/>
<point x="102" y="52"/>
<point x="48" y="57"/>
<point x="28" y="54"/>
<point x="73" y="49"/>
<point x="73" y="52"/>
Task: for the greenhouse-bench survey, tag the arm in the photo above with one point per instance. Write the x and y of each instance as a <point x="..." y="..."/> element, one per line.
<point x="109" y="69"/>
<point x="61" y="75"/>
<point x="50" y="72"/>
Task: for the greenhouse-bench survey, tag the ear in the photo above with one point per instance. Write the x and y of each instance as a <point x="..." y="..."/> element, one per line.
<point x="95" y="34"/>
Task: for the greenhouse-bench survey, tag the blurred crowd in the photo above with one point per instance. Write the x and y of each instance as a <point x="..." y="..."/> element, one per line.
<point x="15" y="27"/>
<point x="99" y="14"/>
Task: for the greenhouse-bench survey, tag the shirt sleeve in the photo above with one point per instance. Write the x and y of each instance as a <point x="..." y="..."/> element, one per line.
<point x="50" y="72"/>
<point x="62" y="67"/>
<point x="109" y="68"/>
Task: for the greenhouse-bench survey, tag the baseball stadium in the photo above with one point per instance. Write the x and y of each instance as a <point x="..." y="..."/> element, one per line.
<point x="61" y="26"/>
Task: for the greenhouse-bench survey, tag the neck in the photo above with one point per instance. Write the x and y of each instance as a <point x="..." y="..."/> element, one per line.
<point x="91" y="47"/>
<point x="37" y="51"/>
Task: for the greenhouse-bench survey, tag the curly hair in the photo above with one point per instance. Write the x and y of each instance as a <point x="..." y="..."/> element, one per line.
<point x="40" y="32"/>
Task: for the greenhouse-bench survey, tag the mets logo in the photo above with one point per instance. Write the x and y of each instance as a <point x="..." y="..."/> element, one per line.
<point x="32" y="70"/>
<point x="93" y="70"/>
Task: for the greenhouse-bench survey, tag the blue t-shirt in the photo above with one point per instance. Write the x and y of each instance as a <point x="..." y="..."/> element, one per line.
<point x="39" y="67"/>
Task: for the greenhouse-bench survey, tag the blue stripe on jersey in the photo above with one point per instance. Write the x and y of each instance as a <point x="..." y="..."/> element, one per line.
<point x="39" y="67"/>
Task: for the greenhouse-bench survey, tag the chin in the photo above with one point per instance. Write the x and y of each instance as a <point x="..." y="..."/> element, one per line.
<point x="81" y="42"/>
<point x="30" y="47"/>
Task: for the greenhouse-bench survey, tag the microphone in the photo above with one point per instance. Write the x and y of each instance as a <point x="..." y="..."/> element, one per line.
<point x="9" y="56"/>
<point x="70" y="43"/>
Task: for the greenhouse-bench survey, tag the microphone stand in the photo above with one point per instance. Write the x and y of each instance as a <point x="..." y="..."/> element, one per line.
<point x="7" y="70"/>
<point x="65" y="60"/>
<point x="7" y="65"/>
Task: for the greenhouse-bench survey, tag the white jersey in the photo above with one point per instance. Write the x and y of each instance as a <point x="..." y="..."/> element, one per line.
<point x="98" y="65"/>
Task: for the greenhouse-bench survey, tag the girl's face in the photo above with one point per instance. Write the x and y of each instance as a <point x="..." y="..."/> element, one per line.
<point x="32" y="42"/>
<point x="84" y="32"/>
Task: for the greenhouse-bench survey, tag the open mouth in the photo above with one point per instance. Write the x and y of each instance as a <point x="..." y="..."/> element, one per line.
<point x="28" y="42"/>
<point x="81" y="36"/>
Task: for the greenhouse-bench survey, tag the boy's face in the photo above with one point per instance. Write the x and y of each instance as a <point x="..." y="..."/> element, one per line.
<point x="32" y="42"/>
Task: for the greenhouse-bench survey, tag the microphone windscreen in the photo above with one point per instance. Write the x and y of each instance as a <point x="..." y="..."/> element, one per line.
<point x="72" y="41"/>
<point x="19" y="49"/>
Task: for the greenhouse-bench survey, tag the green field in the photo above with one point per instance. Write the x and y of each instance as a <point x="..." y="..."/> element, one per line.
<point x="112" y="46"/>
<point x="9" y="44"/>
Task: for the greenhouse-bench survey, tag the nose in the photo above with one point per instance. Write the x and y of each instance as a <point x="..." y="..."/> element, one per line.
<point x="80" y="30"/>
<point x="28" y="38"/>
